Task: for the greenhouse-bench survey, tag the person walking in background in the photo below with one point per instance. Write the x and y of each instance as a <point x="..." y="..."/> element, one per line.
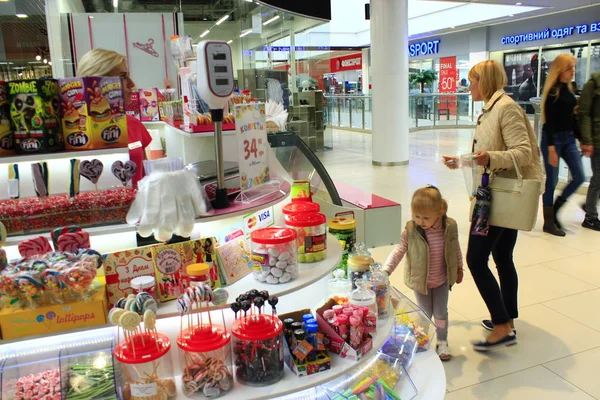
<point x="589" y="120"/>
<point x="558" y="138"/>
<point x="435" y="264"/>
<point x="502" y="138"/>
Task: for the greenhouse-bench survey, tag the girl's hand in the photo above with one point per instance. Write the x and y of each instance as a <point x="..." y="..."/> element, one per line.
<point x="587" y="151"/>
<point x="482" y="158"/>
<point x="460" y="276"/>
<point x="451" y="161"/>
<point x="552" y="156"/>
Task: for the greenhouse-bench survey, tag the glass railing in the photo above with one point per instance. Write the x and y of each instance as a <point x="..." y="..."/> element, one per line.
<point x="435" y="109"/>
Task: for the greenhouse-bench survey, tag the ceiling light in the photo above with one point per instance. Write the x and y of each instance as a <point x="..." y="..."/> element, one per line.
<point x="229" y="41"/>
<point x="45" y="61"/>
<point x="38" y="57"/>
<point x="246" y="32"/>
<point x="49" y="62"/>
<point x="21" y="15"/>
<point x="206" y="32"/>
<point x="225" y="18"/>
<point x="518" y="4"/>
<point x="267" y="22"/>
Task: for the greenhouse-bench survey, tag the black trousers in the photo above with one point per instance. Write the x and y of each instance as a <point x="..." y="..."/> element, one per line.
<point x="501" y="301"/>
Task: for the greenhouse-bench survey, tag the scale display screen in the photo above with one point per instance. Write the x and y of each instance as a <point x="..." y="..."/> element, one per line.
<point x="222" y="82"/>
<point x="219" y="56"/>
<point x="220" y="68"/>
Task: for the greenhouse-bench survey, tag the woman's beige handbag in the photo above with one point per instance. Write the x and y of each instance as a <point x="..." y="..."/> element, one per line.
<point x="515" y="202"/>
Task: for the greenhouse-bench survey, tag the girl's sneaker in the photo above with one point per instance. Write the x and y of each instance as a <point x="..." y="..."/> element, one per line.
<point x="442" y="350"/>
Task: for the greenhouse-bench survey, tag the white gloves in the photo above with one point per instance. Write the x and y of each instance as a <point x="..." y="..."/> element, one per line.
<point x="168" y="203"/>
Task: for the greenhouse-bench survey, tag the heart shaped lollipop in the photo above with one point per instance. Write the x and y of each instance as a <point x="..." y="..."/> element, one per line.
<point x="124" y="172"/>
<point x="91" y="170"/>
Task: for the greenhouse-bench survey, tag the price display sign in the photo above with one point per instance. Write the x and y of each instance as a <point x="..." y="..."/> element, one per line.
<point x="251" y="132"/>
<point x="447" y="84"/>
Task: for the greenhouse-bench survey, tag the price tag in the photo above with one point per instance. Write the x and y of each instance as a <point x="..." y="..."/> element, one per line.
<point x="251" y="129"/>
<point x="144" y="390"/>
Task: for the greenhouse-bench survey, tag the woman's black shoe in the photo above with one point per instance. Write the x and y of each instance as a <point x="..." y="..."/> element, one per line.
<point x="550" y="223"/>
<point x="489" y="325"/>
<point x="484" y="345"/>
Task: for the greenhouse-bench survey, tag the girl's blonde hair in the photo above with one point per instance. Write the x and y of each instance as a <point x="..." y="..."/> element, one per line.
<point x="99" y="62"/>
<point x="491" y="77"/>
<point x="428" y="199"/>
<point x="560" y="64"/>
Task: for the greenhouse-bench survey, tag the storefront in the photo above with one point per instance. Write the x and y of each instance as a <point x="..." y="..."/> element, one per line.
<point x="345" y="76"/>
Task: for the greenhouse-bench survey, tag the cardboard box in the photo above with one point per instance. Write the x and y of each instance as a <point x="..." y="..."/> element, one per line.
<point x="335" y="343"/>
<point x="35" y="114"/>
<point x="133" y="107"/>
<point x="93" y="113"/>
<point x="7" y="137"/>
<point x="171" y="261"/>
<point x="122" y="266"/>
<point x="323" y="361"/>
<point x="55" y="318"/>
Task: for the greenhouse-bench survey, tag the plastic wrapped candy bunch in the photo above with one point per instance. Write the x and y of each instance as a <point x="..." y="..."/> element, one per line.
<point x="274" y="255"/>
<point x="258" y="340"/>
<point x="52" y="278"/>
<point x="42" y="386"/>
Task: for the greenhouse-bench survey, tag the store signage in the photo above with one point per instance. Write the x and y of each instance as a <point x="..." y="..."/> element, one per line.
<point x="282" y="48"/>
<point x="424" y="48"/>
<point x="447" y="79"/>
<point x="557" y="33"/>
<point x="251" y="132"/>
<point x="346" y="63"/>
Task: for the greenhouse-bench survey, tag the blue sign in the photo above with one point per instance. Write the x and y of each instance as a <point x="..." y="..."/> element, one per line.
<point x="246" y="53"/>
<point x="558" y="33"/>
<point x="424" y="48"/>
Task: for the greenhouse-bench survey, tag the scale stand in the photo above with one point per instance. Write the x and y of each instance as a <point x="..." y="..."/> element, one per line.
<point x="221" y="198"/>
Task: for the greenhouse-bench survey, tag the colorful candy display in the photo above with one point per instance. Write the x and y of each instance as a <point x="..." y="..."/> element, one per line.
<point x="52" y="278"/>
<point x="35" y="214"/>
<point x="34" y="247"/>
<point x="88" y="381"/>
<point x="273" y="255"/>
<point x="42" y="386"/>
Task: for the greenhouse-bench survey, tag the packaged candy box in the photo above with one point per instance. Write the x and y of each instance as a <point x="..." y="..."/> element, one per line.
<point x="7" y="137"/>
<point x="35" y="115"/>
<point x="93" y="113"/>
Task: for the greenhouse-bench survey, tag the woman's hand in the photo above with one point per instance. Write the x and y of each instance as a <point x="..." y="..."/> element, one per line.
<point x="451" y="162"/>
<point x="587" y="151"/>
<point x="482" y="158"/>
<point x="552" y="156"/>
<point x="460" y="276"/>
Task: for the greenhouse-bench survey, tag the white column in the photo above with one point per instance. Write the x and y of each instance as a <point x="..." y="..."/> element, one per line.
<point x="366" y="71"/>
<point x="389" y="79"/>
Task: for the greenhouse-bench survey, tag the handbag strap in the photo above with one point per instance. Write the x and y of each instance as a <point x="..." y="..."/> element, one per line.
<point x="517" y="169"/>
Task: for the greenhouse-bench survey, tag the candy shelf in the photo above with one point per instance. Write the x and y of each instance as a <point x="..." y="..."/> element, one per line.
<point x="62" y="155"/>
<point x="308" y="274"/>
<point x="93" y="231"/>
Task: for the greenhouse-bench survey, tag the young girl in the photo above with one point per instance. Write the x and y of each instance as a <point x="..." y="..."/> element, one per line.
<point x="434" y="259"/>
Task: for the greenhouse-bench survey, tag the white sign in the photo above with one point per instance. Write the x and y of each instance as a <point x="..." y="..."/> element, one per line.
<point x="253" y="158"/>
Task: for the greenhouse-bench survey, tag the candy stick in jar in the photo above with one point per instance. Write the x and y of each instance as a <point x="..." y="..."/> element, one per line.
<point x="74" y="177"/>
<point x="13" y="181"/>
<point x="355" y="334"/>
<point x="39" y="171"/>
<point x="114" y="316"/>
<point x="130" y="321"/>
<point x="150" y="325"/>
<point x="220" y="297"/>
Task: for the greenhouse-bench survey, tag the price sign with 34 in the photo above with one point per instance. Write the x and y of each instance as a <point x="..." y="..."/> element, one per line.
<point x="252" y="144"/>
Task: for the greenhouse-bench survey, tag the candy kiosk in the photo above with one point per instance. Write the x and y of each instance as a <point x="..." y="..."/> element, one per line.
<point x="256" y="294"/>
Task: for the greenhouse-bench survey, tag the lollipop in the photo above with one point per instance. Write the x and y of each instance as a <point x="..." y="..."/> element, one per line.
<point x="246" y="305"/>
<point x="29" y="287"/>
<point x="258" y="303"/>
<point x="114" y="315"/>
<point x="264" y="294"/>
<point x="236" y="307"/>
<point x="219" y="296"/>
<point x="130" y="320"/>
<point x="273" y="302"/>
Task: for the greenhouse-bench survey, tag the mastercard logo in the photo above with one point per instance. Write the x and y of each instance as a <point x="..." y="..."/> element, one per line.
<point x="252" y="222"/>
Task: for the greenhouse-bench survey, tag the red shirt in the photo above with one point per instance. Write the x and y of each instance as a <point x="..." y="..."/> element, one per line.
<point x="140" y="139"/>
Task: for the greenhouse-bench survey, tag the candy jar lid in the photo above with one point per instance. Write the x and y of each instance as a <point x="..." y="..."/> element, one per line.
<point x="273" y="235"/>
<point x="361" y="248"/>
<point x="339" y="282"/>
<point x="198" y="269"/>
<point x="362" y="295"/>
<point x="257" y="327"/>
<point x="203" y="338"/>
<point x="143" y="282"/>
<point x="305" y="219"/>
<point x="342" y="223"/>
<point x="153" y="347"/>
<point x="301" y="207"/>
<point x="377" y="275"/>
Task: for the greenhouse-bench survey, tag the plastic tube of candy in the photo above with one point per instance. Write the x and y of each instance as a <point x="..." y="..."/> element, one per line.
<point x="343" y="327"/>
<point x="355" y="334"/>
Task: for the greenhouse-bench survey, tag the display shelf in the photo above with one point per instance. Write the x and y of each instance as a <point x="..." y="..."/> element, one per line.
<point x="93" y="231"/>
<point x="307" y="275"/>
<point x="61" y="154"/>
<point x="181" y="132"/>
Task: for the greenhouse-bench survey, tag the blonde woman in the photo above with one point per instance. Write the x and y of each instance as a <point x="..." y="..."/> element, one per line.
<point x="503" y="131"/>
<point x="101" y="62"/>
<point x="558" y="139"/>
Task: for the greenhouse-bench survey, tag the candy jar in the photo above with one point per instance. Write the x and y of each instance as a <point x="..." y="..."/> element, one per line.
<point x="301" y="207"/>
<point x="145" y="367"/>
<point x="339" y="287"/>
<point x="206" y="361"/>
<point x="380" y="284"/>
<point x="344" y="229"/>
<point x="364" y="297"/>
<point x="274" y="255"/>
<point x="258" y="349"/>
<point x="311" y="229"/>
<point x="144" y="284"/>
<point x="199" y="274"/>
<point x="359" y="262"/>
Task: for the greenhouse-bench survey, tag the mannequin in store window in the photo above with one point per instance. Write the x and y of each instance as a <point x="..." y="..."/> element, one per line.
<point x="528" y="89"/>
<point x="101" y="62"/>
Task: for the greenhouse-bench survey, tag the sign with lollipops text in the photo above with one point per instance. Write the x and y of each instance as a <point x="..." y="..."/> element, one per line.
<point x="251" y="132"/>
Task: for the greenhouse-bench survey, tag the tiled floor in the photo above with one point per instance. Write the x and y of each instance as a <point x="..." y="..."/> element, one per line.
<point x="558" y="355"/>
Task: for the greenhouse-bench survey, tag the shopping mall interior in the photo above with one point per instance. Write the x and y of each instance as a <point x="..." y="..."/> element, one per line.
<point x="203" y="209"/>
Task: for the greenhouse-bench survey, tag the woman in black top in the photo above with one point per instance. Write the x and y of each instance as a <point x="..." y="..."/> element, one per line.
<point x="558" y="139"/>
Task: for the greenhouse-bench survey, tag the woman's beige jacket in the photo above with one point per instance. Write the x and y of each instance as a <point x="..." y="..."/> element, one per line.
<point x="503" y="128"/>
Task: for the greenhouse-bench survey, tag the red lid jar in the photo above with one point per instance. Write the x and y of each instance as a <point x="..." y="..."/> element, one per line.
<point x="311" y="229"/>
<point x="301" y="207"/>
<point x="274" y="253"/>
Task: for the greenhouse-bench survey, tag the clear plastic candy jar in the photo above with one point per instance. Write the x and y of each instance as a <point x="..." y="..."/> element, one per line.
<point x="144" y="284"/>
<point x="364" y="297"/>
<point x="344" y="229"/>
<point x="258" y="349"/>
<point x="311" y="229"/>
<point x="206" y="361"/>
<point x="339" y="287"/>
<point x="380" y="284"/>
<point x="274" y="255"/>
<point x="199" y="274"/>
<point x="358" y="266"/>
<point x="145" y="367"/>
